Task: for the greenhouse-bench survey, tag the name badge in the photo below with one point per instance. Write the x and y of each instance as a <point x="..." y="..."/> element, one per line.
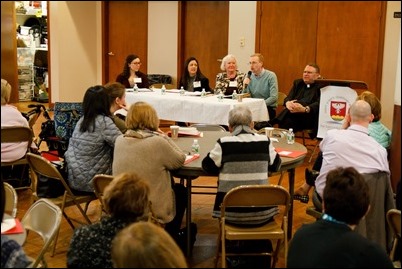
<point x="196" y="84"/>
<point x="233" y="84"/>
<point x="137" y="80"/>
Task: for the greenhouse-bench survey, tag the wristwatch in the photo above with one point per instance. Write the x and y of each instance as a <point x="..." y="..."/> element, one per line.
<point x="307" y="110"/>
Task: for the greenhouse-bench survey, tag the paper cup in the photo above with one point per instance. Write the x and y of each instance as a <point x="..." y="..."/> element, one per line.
<point x="174" y="131"/>
<point x="269" y="131"/>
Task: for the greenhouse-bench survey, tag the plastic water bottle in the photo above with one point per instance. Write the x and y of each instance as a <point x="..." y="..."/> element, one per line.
<point x="203" y="93"/>
<point x="195" y="147"/>
<point x="290" y="136"/>
<point x="234" y="95"/>
<point x="182" y="91"/>
<point x="220" y="96"/>
<point x="135" y="88"/>
<point x="163" y="89"/>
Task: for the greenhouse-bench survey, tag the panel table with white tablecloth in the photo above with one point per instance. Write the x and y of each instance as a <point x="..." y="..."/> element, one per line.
<point x="196" y="109"/>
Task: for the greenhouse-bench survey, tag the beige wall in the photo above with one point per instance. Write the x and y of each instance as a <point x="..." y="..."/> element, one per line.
<point x="390" y="92"/>
<point x="76" y="56"/>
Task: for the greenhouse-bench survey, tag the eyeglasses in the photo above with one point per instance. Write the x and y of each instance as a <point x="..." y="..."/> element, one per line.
<point x="252" y="63"/>
<point x="136" y="63"/>
<point x="308" y="72"/>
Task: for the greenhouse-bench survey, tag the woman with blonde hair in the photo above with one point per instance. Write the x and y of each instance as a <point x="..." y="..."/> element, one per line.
<point x="146" y="245"/>
<point x="147" y="151"/>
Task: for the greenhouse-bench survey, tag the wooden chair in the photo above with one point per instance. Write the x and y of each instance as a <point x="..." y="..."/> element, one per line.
<point x="44" y="218"/>
<point x="41" y="166"/>
<point x="394" y="222"/>
<point x="255" y="196"/>
<point x="17" y="134"/>
<point x="99" y="183"/>
<point x="11" y="200"/>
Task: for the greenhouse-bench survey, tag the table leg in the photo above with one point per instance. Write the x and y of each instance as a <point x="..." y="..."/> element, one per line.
<point x="291" y="174"/>
<point x="188" y="217"/>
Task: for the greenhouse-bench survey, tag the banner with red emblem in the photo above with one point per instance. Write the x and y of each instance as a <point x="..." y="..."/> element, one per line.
<point x="334" y="105"/>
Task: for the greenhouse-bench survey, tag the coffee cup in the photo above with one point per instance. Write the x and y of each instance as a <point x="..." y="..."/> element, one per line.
<point x="269" y="131"/>
<point x="174" y="131"/>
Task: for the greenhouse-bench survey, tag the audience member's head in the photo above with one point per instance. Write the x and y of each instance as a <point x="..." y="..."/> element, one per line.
<point x="360" y="112"/>
<point x="127" y="197"/>
<point x="374" y="103"/>
<point x="240" y="116"/>
<point x="146" y="245"/>
<point x="5" y="92"/>
<point x="141" y="116"/>
<point x="96" y="102"/>
<point x="117" y="94"/>
<point x="346" y="195"/>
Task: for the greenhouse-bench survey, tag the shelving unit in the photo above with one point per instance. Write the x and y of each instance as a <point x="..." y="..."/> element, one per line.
<point x="26" y="83"/>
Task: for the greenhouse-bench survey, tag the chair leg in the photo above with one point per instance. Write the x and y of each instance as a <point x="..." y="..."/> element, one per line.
<point x="317" y="143"/>
<point x="276" y="253"/>
<point x="281" y="177"/>
<point x="55" y="242"/>
<point x="218" y="250"/>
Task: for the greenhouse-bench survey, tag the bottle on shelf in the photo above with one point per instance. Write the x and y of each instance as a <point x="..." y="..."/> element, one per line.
<point x="182" y="91"/>
<point x="291" y="136"/>
<point x="195" y="147"/>
<point x="163" y="89"/>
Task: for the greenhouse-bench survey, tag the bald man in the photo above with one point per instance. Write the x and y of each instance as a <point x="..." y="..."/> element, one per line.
<point x="351" y="147"/>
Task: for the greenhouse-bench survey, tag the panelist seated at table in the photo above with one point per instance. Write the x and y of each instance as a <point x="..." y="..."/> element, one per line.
<point x="242" y="158"/>
<point x="12" y="254"/>
<point x="262" y="83"/>
<point x="302" y="104"/>
<point x="231" y="78"/>
<point x="131" y="73"/>
<point x="192" y="79"/>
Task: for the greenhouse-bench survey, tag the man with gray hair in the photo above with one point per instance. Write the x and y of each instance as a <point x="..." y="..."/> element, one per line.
<point x="242" y="158"/>
<point x="351" y="147"/>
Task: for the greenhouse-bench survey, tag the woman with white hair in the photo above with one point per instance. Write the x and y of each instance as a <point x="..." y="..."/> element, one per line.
<point x="231" y="78"/>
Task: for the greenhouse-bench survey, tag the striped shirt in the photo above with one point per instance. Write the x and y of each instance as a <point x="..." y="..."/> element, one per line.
<point x="242" y="159"/>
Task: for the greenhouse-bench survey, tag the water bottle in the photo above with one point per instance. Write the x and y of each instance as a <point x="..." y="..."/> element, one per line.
<point x="203" y="93"/>
<point x="135" y="88"/>
<point x="195" y="147"/>
<point x="234" y="94"/>
<point x="290" y="136"/>
<point x="220" y="96"/>
<point x="182" y="91"/>
<point x="163" y="89"/>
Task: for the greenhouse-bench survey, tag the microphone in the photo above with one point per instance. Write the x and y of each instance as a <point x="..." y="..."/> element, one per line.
<point x="248" y="76"/>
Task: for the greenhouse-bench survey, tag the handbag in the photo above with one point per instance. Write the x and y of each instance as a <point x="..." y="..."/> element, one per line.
<point x="48" y="187"/>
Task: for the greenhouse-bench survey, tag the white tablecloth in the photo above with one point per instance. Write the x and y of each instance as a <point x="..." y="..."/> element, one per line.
<point x="195" y="109"/>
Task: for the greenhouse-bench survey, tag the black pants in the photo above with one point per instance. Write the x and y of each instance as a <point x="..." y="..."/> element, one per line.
<point x="180" y="192"/>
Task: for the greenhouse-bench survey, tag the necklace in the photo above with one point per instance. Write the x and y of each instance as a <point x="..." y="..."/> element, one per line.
<point x="331" y="219"/>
